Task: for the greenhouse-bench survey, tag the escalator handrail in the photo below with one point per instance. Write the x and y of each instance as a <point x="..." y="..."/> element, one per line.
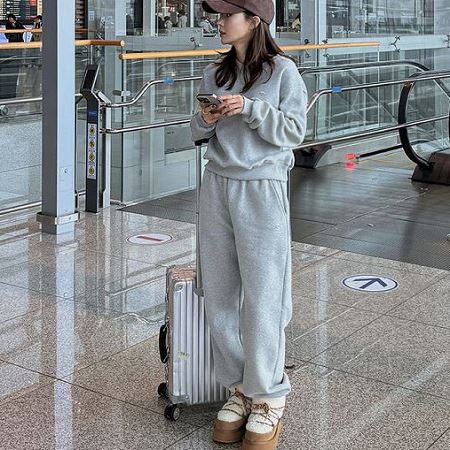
<point x="363" y="86"/>
<point x="402" y="116"/>
<point x="374" y="64"/>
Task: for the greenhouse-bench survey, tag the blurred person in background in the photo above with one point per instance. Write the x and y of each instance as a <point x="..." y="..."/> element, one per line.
<point x="13" y="24"/>
<point x="168" y="24"/>
<point x="182" y="19"/>
<point x="205" y="24"/>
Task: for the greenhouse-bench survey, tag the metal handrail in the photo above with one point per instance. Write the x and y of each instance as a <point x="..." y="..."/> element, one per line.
<point x="363" y="134"/>
<point x="21" y="101"/>
<point x="146" y="86"/>
<point x="358" y="87"/>
<point x="313" y="101"/>
<point x="340" y="68"/>
<point x="370" y="133"/>
<point x="402" y="116"/>
<point x="150" y="126"/>
<point x="346" y="138"/>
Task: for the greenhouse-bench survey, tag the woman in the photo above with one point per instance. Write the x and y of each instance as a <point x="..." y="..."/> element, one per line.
<point x="244" y="217"/>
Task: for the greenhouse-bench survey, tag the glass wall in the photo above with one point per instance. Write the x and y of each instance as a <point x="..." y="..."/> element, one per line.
<point x="355" y="18"/>
<point x="159" y="163"/>
<point x="169" y="16"/>
<point x="288" y="15"/>
<point x="155" y="164"/>
<point x="21" y="121"/>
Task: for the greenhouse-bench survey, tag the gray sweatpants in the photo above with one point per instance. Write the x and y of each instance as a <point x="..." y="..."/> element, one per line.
<point x="245" y="250"/>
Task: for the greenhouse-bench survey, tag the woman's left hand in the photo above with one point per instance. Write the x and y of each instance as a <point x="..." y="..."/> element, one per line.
<point x="232" y="105"/>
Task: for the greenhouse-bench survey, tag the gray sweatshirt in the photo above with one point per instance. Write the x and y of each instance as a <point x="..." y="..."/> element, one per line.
<point x="256" y="144"/>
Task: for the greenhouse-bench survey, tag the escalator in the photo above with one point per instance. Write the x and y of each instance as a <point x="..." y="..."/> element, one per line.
<point x="396" y="110"/>
<point x="350" y="111"/>
<point x="432" y="154"/>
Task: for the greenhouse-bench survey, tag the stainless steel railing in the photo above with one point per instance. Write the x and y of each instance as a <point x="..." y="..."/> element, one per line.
<point x="21" y="101"/>
<point x="355" y="66"/>
<point x="339" y="90"/>
<point x="314" y="99"/>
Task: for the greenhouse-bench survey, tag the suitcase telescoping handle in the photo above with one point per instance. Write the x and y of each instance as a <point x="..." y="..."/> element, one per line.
<point x="198" y="157"/>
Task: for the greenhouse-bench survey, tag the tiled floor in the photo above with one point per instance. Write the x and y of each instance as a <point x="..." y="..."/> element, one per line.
<point x="79" y="363"/>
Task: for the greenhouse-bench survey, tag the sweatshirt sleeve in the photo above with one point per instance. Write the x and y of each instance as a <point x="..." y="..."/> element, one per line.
<point x="199" y="128"/>
<point x="284" y="126"/>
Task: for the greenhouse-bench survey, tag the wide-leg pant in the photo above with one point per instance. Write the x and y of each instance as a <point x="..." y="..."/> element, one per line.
<point x="245" y="250"/>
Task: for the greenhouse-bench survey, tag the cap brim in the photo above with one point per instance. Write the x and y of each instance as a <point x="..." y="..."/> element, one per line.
<point x="220" y="7"/>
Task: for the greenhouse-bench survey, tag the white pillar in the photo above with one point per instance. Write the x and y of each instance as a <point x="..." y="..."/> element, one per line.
<point x="120" y="20"/>
<point x="313" y="15"/>
<point x="191" y="13"/>
<point x="149" y="12"/>
<point x="58" y="118"/>
<point x="273" y="25"/>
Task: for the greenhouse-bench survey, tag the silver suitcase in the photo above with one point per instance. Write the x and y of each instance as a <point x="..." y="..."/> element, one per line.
<point x="184" y="339"/>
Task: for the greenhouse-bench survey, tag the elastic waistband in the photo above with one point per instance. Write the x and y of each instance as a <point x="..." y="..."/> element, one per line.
<point x="267" y="172"/>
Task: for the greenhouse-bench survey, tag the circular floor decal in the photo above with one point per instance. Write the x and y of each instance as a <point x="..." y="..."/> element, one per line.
<point x="370" y="283"/>
<point x="149" y="239"/>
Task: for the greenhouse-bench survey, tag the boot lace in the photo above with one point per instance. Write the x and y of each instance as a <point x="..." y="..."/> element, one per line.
<point x="267" y="413"/>
<point x="244" y="406"/>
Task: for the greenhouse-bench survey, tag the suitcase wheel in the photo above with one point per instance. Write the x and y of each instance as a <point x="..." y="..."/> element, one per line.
<point x="172" y="412"/>
<point x="163" y="391"/>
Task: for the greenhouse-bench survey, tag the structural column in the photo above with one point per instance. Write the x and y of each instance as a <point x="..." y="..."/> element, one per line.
<point x="150" y="23"/>
<point x="273" y="25"/>
<point x="58" y="119"/>
<point x="313" y="16"/>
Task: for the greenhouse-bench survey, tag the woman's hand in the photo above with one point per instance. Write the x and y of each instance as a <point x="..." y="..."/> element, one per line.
<point x="210" y="114"/>
<point x="232" y="105"/>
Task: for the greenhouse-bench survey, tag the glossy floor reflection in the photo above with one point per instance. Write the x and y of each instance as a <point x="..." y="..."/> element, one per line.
<point x="79" y="362"/>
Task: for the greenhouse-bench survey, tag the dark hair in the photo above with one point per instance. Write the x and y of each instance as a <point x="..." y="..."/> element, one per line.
<point x="39" y="17"/>
<point x="261" y="48"/>
<point x="11" y="16"/>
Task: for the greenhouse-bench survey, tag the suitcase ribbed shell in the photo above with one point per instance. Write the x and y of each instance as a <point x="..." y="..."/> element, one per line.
<point x="191" y="377"/>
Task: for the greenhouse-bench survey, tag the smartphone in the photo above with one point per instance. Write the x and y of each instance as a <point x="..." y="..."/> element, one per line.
<point x="208" y="99"/>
